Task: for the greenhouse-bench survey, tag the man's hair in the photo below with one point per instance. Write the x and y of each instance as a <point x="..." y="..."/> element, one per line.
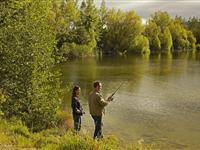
<point x="96" y="83"/>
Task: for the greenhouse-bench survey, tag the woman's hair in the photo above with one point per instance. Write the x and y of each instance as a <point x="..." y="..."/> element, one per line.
<point x="76" y="87"/>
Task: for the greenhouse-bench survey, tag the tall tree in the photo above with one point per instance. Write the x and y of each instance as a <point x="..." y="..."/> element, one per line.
<point x="152" y="31"/>
<point x="103" y="12"/>
<point x="122" y="29"/>
<point x="172" y="33"/>
<point x="166" y="40"/>
<point x="193" y="24"/>
<point x="179" y="36"/>
<point x="26" y="76"/>
<point x="102" y="23"/>
<point x="87" y="30"/>
<point x="141" y="45"/>
<point x="192" y="40"/>
<point x="66" y="20"/>
<point x="162" y="19"/>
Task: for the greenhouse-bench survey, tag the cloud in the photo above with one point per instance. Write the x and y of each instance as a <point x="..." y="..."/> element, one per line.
<point x="145" y="8"/>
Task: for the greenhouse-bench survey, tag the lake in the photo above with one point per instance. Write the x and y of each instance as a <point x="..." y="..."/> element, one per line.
<point x="159" y="101"/>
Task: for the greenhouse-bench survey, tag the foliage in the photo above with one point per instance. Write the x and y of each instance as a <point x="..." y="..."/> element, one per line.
<point x="141" y="45"/>
<point x="121" y="30"/>
<point x="198" y="47"/>
<point x="26" y="75"/>
<point x="166" y="40"/>
<point x="102" y="23"/>
<point x="160" y="23"/>
<point x="192" y="40"/>
<point x="152" y="31"/>
<point x="81" y="29"/>
<point x="165" y="33"/>
<point x="14" y="135"/>
<point x="193" y="24"/>
<point x="17" y="127"/>
<point x="2" y="100"/>
<point x="76" y="28"/>
<point x="162" y="19"/>
<point x="179" y="36"/>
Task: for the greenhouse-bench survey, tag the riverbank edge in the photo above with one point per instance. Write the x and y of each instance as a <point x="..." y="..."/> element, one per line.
<point x="14" y="135"/>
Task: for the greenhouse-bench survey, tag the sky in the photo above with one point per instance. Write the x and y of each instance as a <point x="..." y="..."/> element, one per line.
<point x="145" y="8"/>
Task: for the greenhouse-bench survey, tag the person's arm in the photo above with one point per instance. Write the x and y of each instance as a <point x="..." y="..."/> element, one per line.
<point x="81" y="109"/>
<point x="101" y="101"/>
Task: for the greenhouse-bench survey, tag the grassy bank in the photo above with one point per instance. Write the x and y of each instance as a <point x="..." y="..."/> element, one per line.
<point x="14" y="135"/>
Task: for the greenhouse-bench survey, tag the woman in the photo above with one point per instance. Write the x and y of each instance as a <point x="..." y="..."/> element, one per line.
<point x="77" y="109"/>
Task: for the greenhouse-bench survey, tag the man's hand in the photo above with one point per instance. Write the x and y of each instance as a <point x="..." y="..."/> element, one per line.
<point x="110" y="98"/>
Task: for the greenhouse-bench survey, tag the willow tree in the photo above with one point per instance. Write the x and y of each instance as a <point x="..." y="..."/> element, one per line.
<point x="162" y="19"/>
<point x="193" y="24"/>
<point x="152" y="32"/>
<point x="181" y="37"/>
<point x="166" y="39"/>
<point x="26" y="65"/>
<point x="122" y="28"/>
<point x="173" y="33"/>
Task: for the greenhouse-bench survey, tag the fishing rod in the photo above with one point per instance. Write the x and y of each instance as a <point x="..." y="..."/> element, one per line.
<point x="117" y="89"/>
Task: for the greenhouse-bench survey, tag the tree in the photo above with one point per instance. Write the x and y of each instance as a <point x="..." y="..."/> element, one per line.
<point x="179" y="36"/>
<point x="65" y="21"/>
<point x="193" y="24"/>
<point x="192" y="40"/>
<point x="102" y="23"/>
<point x="162" y="19"/>
<point x="103" y="12"/>
<point x="165" y="33"/>
<point x="122" y="29"/>
<point x="90" y="20"/>
<point x="87" y="32"/>
<point x="152" y="32"/>
<point x="166" y="40"/>
<point x="141" y="45"/>
<point x="27" y="41"/>
<point x="80" y="33"/>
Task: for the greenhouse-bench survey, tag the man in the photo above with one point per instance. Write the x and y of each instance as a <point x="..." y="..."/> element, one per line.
<point x="96" y="108"/>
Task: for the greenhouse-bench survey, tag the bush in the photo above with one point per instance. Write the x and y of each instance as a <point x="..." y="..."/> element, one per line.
<point x="65" y="119"/>
<point x="14" y="135"/>
<point x="72" y="141"/>
<point x="71" y="50"/>
<point x="4" y="138"/>
<point x="20" y="129"/>
<point x="26" y="46"/>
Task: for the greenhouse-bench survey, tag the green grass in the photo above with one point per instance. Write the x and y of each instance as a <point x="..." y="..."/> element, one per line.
<point x="14" y="135"/>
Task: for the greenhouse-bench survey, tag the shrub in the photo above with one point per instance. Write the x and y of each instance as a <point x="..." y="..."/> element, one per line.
<point x="26" y="45"/>
<point x="19" y="128"/>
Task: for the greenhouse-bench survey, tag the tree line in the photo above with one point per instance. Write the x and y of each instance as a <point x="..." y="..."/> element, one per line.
<point x="83" y="29"/>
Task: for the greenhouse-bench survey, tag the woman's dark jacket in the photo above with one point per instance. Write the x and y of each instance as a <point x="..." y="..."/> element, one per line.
<point x="76" y="106"/>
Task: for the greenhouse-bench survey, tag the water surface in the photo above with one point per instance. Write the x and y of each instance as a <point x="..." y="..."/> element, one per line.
<point x="159" y="101"/>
